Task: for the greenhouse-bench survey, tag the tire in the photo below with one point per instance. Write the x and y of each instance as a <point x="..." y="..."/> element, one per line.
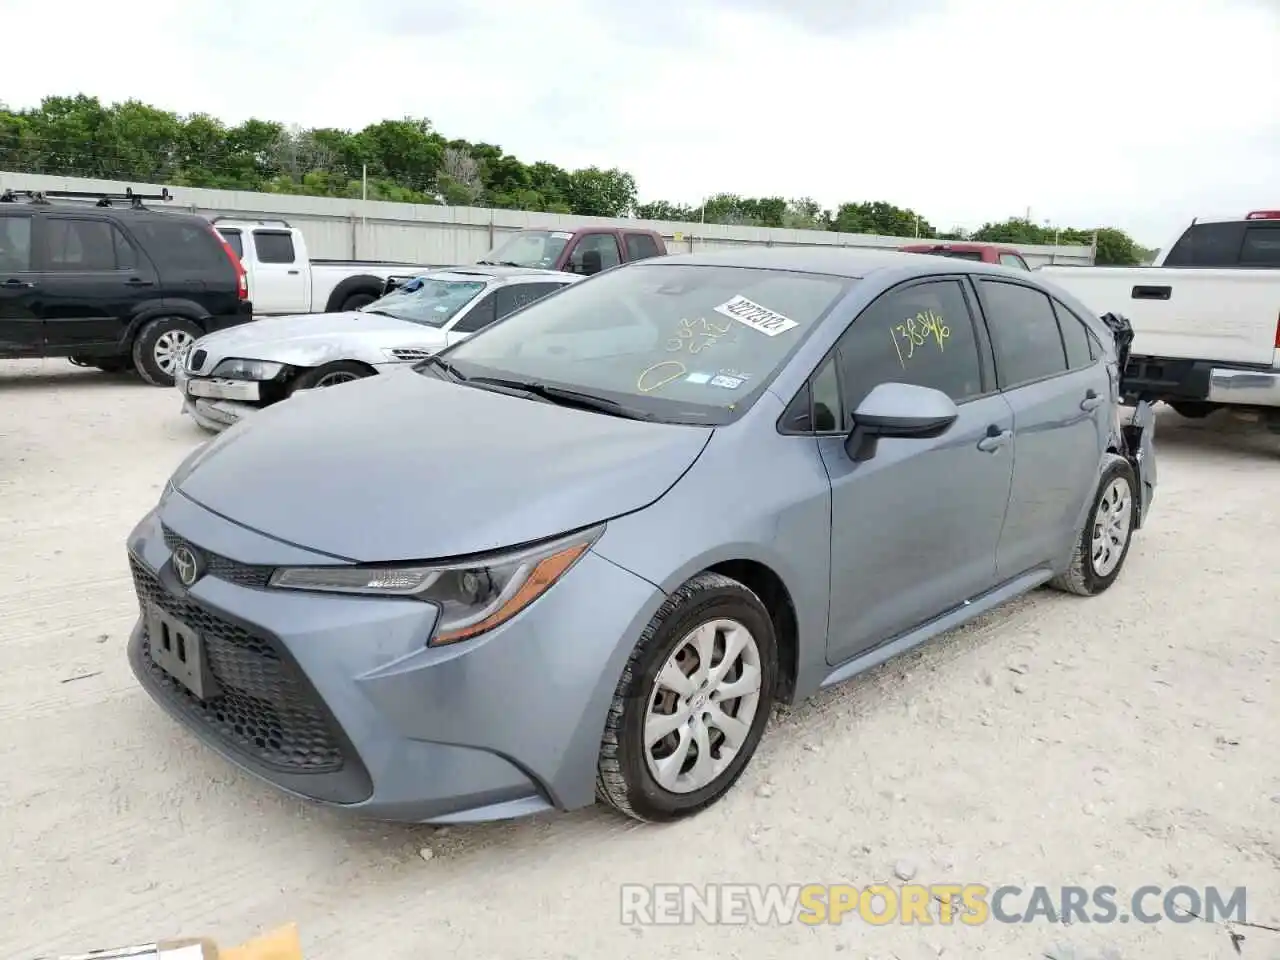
<point x="358" y="300"/>
<point x="331" y="375"/>
<point x="158" y="347"/>
<point x="626" y="774"/>
<point x="1193" y="409"/>
<point x="1089" y="575"/>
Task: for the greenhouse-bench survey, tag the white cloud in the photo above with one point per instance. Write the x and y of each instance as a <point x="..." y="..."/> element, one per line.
<point x="1141" y="113"/>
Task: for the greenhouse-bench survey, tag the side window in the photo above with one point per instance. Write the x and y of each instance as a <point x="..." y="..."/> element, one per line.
<point x="817" y="408"/>
<point x="274" y="246"/>
<point x="1261" y="247"/>
<point x="593" y="253"/>
<point x="126" y="255"/>
<point x="1013" y="260"/>
<point x="234" y="240"/>
<point x="640" y="246"/>
<point x="514" y="296"/>
<point x="480" y="316"/>
<point x="15" y="245"/>
<point x="1025" y="333"/>
<point x="78" y="245"/>
<point x="1075" y="337"/>
<point x="180" y="247"/>
<point x="1208" y="245"/>
<point x="922" y="334"/>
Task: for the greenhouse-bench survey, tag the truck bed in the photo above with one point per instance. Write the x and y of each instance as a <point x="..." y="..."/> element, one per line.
<point x="1220" y="315"/>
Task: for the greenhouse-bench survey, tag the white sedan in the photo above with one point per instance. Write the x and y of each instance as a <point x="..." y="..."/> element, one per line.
<point x="228" y="375"/>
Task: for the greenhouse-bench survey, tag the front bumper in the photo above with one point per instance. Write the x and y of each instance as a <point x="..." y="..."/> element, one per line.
<point x="216" y="403"/>
<point x="338" y="699"/>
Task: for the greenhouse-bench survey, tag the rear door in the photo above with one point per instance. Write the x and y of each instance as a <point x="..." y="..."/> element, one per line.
<point x="1058" y="389"/>
<point x="20" y="333"/>
<point x="92" y="280"/>
<point x="281" y="281"/>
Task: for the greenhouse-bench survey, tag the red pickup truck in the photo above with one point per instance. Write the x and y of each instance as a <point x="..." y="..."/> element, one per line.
<point x="586" y="250"/>
<point x="981" y="252"/>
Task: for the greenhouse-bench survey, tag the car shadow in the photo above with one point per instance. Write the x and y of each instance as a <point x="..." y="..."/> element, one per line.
<point x="71" y="377"/>
<point x="1221" y="433"/>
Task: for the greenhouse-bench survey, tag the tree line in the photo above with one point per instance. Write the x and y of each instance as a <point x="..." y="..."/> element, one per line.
<point x="410" y="161"/>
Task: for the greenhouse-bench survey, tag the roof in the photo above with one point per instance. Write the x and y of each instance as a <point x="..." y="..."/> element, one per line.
<point x="851" y="262"/>
<point x="498" y="273"/>
<point x="958" y="245"/>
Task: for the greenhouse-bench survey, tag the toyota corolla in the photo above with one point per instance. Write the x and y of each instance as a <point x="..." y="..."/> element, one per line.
<point x="583" y="553"/>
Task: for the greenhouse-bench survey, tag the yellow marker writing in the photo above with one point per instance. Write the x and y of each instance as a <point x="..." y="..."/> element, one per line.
<point x="679" y="371"/>
<point x="916" y="332"/>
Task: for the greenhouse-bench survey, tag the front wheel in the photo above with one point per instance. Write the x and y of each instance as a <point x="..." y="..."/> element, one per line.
<point x="332" y="374"/>
<point x="1104" y="542"/>
<point x="692" y="703"/>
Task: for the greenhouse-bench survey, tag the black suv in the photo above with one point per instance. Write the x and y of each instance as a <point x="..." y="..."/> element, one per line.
<point x="110" y="283"/>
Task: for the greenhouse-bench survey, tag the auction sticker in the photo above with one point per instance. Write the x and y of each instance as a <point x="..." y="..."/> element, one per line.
<point x="698" y="378"/>
<point x="732" y="383"/>
<point x="766" y="321"/>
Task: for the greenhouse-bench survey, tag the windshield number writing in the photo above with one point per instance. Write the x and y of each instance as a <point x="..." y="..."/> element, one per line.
<point x="924" y="327"/>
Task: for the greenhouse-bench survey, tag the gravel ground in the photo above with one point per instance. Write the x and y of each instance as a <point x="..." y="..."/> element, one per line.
<point x="1125" y="740"/>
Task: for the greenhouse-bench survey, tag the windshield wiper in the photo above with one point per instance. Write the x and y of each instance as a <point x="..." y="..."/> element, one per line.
<point x="499" y="263"/>
<point x="565" y="397"/>
<point x="381" y="313"/>
<point x="443" y="364"/>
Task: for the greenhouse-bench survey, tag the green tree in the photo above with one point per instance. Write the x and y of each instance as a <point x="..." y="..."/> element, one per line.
<point x="594" y="192"/>
<point x="880" y="218"/>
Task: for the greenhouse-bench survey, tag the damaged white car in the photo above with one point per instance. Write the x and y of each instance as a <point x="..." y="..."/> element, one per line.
<point x="228" y="375"/>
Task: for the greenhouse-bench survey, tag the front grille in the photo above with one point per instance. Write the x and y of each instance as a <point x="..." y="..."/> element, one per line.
<point x="224" y="568"/>
<point x="265" y="708"/>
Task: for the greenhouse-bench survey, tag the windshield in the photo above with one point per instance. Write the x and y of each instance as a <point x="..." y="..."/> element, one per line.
<point x="530" y="248"/>
<point x="427" y="300"/>
<point x="955" y="254"/>
<point x="677" y="342"/>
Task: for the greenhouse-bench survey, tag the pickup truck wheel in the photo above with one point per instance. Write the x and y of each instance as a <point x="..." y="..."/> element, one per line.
<point x="332" y="374"/>
<point x="1193" y="409"/>
<point x="1103" y="545"/>
<point x="159" y="347"/>
<point x="358" y="300"/>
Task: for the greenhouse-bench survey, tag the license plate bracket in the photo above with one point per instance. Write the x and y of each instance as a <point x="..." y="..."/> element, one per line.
<point x="178" y="650"/>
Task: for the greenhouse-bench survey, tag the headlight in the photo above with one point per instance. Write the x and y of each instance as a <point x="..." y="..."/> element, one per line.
<point x="237" y="369"/>
<point x="473" y="597"/>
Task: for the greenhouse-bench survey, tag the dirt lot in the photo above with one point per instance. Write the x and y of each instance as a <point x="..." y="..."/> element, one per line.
<point x="1126" y="740"/>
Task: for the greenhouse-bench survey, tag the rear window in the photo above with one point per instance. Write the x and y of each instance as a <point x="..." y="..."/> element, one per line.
<point x="234" y="240"/>
<point x="181" y="246"/>
<point x="1261" y="247"/>
<point x="1208" y="245"/>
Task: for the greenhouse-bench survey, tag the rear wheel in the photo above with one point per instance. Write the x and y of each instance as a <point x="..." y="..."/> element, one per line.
<point x="159" y="347"/>
<point x="358" y="300"/>
<point x="692" y="703"/>
<point x="1103" y="546"/>
<point x="332" y="374"/>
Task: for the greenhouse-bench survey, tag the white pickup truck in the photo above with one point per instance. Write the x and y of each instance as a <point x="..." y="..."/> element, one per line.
<point x="1205" y="317"/>
<point x="283" y="279"/>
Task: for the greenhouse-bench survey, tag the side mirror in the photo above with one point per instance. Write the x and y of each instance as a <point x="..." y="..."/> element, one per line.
<point x="898" y="410"/>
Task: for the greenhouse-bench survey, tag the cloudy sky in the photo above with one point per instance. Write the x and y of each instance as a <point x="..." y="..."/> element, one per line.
<point x="1138" y="113"/>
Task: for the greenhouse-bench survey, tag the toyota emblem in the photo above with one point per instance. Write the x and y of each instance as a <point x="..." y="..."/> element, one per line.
<point x="186" y="566"/>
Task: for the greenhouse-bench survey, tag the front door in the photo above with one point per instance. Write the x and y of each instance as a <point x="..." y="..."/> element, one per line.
<point x="1059" y="389"/>
<point x="594" y="252"/>
<point x="91" y="280"/>
<point x="914" y="530"/>
<point x="20" y="332"/>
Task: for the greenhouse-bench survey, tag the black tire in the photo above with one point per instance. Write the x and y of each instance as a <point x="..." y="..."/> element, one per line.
<point x="1082" y="577"/>
<point x="314" y="378"/>
<point x="623" y="777"/>
<point x="144" y="347"/>
<point x="358" y="300"/>
<point x="1193" y="409"/>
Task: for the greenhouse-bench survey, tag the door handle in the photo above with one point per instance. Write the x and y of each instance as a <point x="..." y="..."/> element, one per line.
<point x="1091" y="400"/>
<point x="293" y="273"/>
<point x="17" y="284"/>
<point x="994" y="440"/>
<point x="137" y="282"/>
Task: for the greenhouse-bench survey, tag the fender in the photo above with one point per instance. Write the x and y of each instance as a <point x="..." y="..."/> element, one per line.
<point x="168" y="307"/>
<point x="362" y="283"/>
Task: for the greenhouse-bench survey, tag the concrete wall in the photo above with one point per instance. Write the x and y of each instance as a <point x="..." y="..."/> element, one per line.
<point x="419" y="233"/>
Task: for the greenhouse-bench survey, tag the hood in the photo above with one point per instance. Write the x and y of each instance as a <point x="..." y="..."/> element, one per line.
<point x="404" y="466"/>
<point x="309" y="339"/>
